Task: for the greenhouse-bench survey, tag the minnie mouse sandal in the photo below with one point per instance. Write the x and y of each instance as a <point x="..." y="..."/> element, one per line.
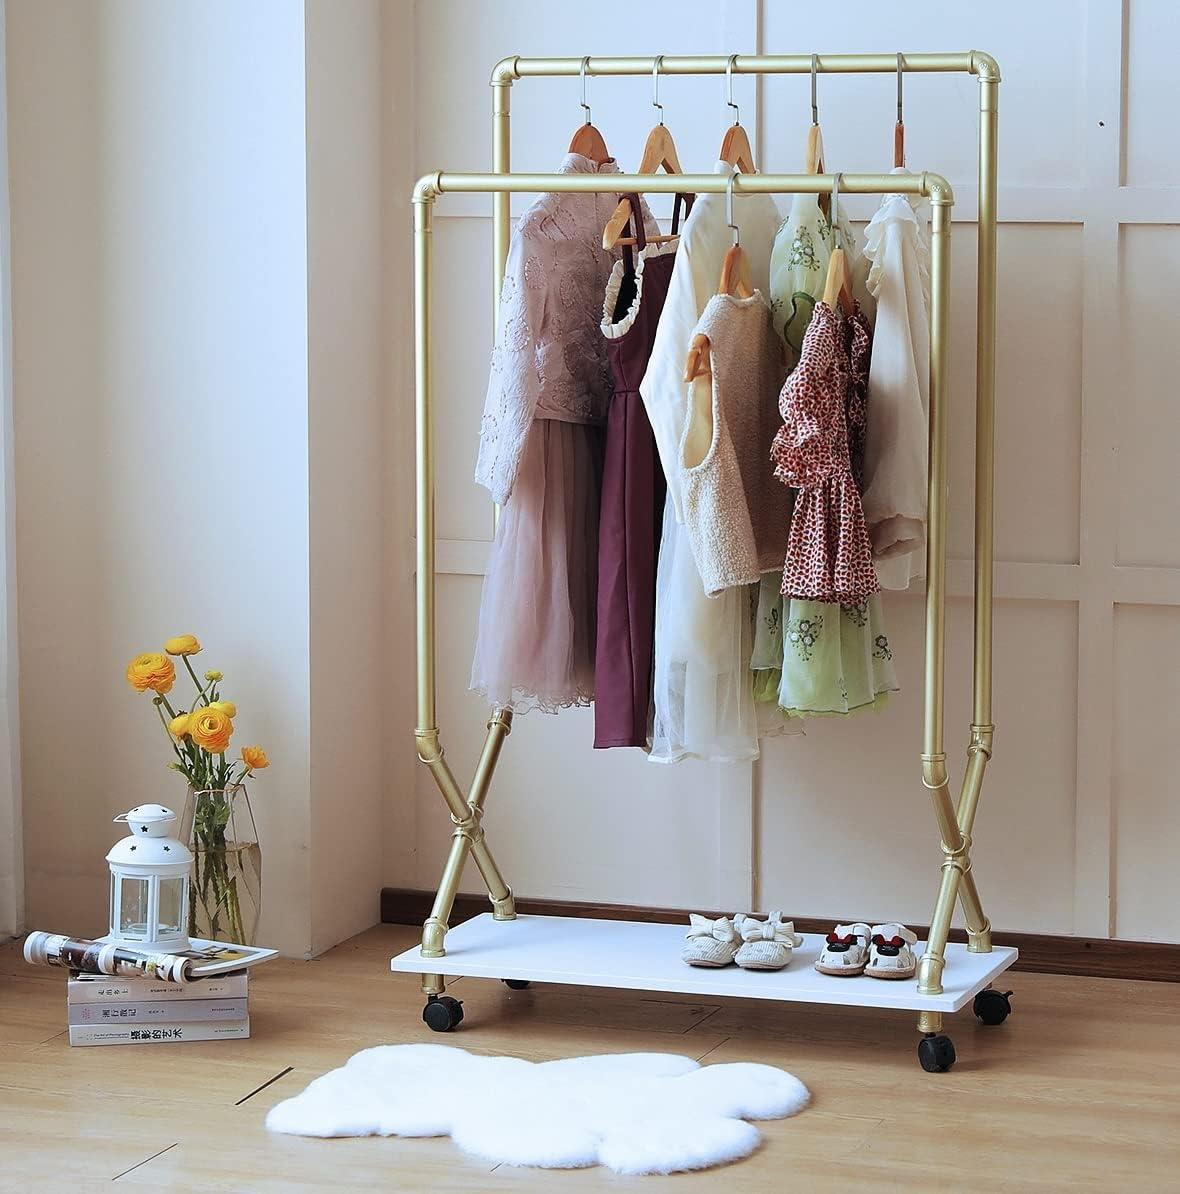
<point x="890" y="955"/>
<point x="846" y="950"/>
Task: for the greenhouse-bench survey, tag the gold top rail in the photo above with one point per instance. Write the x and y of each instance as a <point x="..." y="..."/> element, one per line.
<point x="973" y="62"/>
<point x="932" y="185"/>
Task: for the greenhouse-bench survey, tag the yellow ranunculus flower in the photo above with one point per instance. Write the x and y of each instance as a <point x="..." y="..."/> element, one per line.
<point x="227" y="707"/>
<point x="213" y="676"/>
<point x="178" y="726"/>
<point x="153" y="671"/>
<point x="255" y="758"/>
<point x="183" y="644"/>
<point x="210" y="728"/>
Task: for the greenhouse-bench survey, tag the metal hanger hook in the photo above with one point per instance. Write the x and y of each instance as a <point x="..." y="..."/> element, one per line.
<point x="900" y="68"/>
<point x="814" y="103"/>
<point x="582" y="74"/>
<point x="729" y="89"/>
<point x="834" y="210"/>
<point x="655" y="85"/>
<point x="729" y="208"/>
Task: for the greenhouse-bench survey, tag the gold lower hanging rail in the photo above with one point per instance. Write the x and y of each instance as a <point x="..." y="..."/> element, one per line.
<point x="466" y="807"/>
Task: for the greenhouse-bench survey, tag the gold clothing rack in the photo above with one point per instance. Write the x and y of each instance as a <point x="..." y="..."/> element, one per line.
<point x="955" y="818"/>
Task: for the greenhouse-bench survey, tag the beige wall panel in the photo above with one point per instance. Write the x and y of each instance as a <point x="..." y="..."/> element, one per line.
<point x="1148" y="499"/>
<point x="1039" y="141"/>
<point x="463" y="261"/>
<point x="846" y="823"/>
<point x="1038" y="389"/>
<point x="1153" y="32"/>
<point x="567" y="821"/>
<point x="455" y="109"/>
<point x="1147" y="797"/>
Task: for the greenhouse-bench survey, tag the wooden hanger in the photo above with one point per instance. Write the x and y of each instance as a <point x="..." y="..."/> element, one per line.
<point x="699" y="362"/>
<point x="735" y="274"/>
<point x="838" y="285"/>
<point x="735" y="145"/>
<point x="588" y="141"/>
<point x="813" y="162"/>
<point x="899" y="127"/>
<point x="659" y="152"/>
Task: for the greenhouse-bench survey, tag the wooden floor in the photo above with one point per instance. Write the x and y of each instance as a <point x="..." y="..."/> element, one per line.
<point x="1079" y="1089"/>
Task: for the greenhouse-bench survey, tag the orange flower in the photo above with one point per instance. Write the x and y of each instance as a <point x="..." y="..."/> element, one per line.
<point x="183" y="644"/>
<point x="178" y="726"/>
<point x="211" y="729"/>
<point x="153" y="671"/>
<point x="255" y="758"/>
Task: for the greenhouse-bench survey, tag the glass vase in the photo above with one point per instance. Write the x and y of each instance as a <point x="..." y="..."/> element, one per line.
<point x="225" y="893"/>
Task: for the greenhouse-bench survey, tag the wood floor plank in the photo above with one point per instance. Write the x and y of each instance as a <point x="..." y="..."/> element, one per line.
<point x="1079" y="1090"/>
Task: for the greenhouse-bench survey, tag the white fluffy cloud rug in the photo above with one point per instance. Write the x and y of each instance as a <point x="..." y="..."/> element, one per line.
<point x="634" y="1113"/>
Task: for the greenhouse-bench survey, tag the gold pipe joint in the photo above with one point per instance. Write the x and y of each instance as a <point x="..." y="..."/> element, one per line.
<point x="929" y="1022"/>
<point x="432" y="984"/>
<point x="984" y="67"/>
<point x="469" y="826"/>
<point x="430" y="750"/>
<point x="502" y="717"/>
<point x="934" y="774"/>
<point x="980" y="942"/>
<point x="981" y="740"/>
<point x="434" y="933"/>
<point x="930" y="967"/>
<point x="937" y="189"/>
<point x="504" y="908"/>
<point x="504" y="72"/>
<point x="428" y="188"/>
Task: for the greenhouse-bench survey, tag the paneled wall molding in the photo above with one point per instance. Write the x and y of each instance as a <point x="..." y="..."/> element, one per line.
<point x="1087" y="582"/>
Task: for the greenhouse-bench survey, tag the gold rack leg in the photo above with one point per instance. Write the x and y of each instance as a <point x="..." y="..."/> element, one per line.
<point x="466" y="810"/>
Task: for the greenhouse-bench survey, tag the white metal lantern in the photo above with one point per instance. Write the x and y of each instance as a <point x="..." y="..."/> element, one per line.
<point x="149" y="882"/>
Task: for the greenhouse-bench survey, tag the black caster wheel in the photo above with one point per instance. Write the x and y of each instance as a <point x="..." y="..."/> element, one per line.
<point x="516" y="984"/>
<point x="992" y="1006"/>
<point x="442" y="1013"/>
<point x="936" y="1053"/>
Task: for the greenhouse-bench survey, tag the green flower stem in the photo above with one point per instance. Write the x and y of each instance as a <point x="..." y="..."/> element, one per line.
<point x="189" y="666"/>
<point x="172" y="741"/>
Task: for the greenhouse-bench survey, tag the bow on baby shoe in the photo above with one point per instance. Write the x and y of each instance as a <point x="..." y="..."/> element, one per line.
<point x="721" y="929"/>
<point x="774" y="928"/>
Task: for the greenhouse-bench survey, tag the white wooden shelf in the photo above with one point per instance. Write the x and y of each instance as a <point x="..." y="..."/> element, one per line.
<point x="641" y="956"/>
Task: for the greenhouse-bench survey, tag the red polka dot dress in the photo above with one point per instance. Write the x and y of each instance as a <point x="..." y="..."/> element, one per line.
<point x="818" y="451"/>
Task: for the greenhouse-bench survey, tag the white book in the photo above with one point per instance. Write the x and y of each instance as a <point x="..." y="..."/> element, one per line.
<point x="157" y="1034"/>
<point x="159" y="1011"/>
<point x="102" y="988"/>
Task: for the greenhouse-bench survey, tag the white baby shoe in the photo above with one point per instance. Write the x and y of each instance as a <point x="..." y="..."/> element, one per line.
<point x="711" y="943"/>
<point x="766" y="944"/>
<point x="890" y="955"/>
<point x="846" y="950"/>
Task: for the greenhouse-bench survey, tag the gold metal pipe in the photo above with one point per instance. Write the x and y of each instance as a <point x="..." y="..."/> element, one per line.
<point x="932" y="746"/>
<point x="424" y="459"/>
<point x="434" y="931"/>
<point x="499" y="727"/>
<point x="501" y="164"/>
<point x="927" y="183"/>
<point x="933" y="960"/>
<point x="503" y="903"/>
<point x="967" y="62"/>
<point x="985" y="402"/>
<point x="979" y="928"/>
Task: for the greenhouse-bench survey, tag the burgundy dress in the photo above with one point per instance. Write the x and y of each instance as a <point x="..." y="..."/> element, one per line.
<point x="632" y="495"/>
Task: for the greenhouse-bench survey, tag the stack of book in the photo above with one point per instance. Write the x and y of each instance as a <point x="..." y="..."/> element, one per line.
<point x="105" y="1010"/>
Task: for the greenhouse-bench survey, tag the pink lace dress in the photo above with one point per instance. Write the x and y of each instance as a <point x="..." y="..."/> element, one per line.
<point x="541" y="455"/>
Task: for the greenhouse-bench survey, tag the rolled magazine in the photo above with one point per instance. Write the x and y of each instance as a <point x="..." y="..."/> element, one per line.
<point x="205" y="958"/>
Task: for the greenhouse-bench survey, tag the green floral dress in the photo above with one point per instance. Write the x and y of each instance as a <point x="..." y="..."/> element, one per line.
<point x="811" y="657"/>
